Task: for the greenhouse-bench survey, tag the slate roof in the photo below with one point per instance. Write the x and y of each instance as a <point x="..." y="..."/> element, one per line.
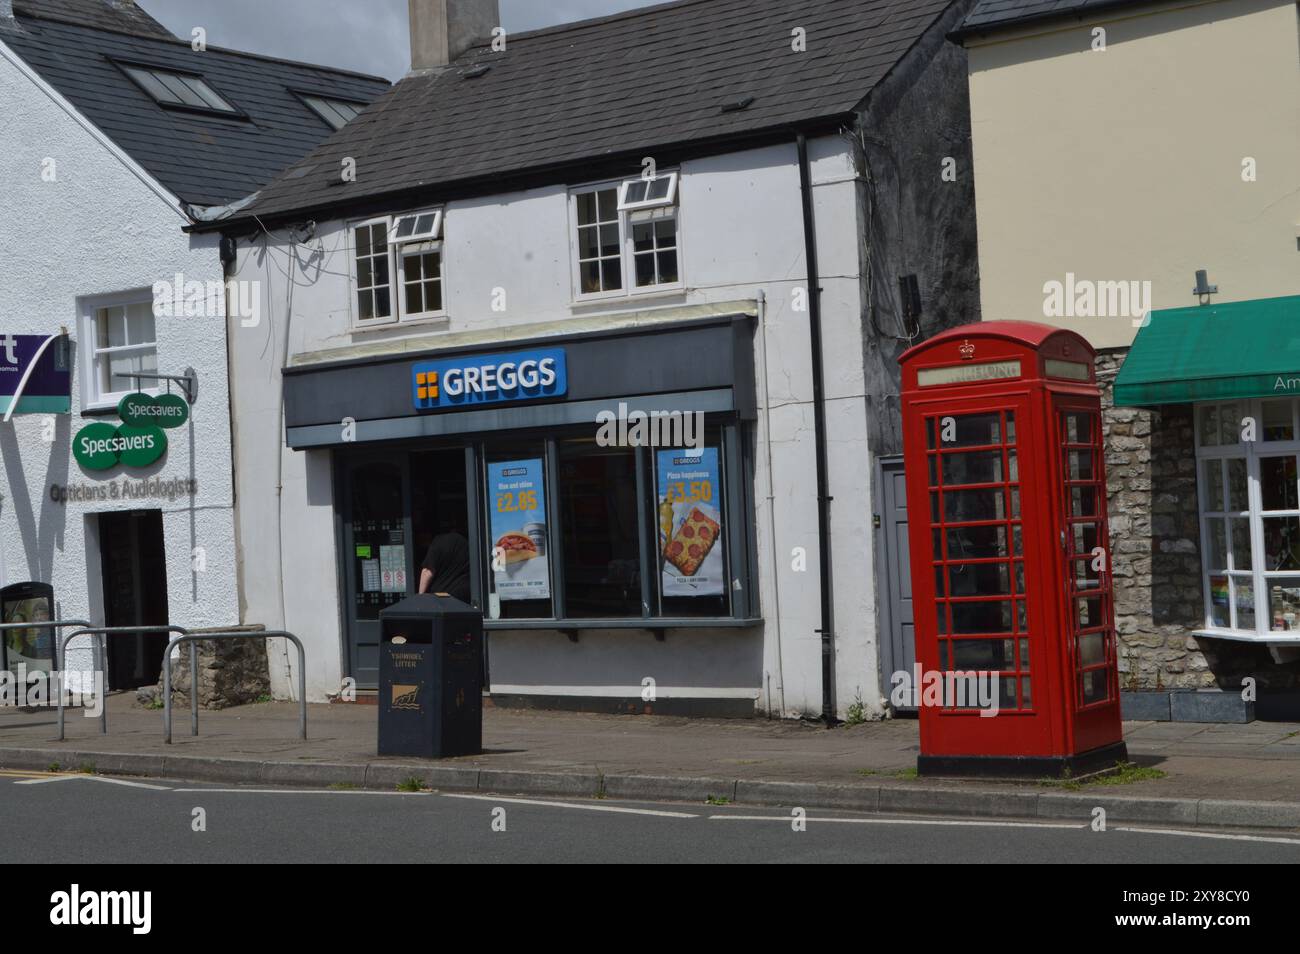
<point x="988" y="15"/>
<point x="623" y="85"/>
<point x="204" y="159"/>
<point x="124" y="16"/>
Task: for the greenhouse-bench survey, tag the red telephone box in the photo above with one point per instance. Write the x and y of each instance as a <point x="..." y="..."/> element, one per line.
<point x="1011" y="581"/>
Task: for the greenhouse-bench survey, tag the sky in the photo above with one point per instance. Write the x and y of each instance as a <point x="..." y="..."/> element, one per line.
<point x="369" y="36"/>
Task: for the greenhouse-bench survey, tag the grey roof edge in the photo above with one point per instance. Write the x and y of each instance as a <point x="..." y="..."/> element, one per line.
<point x="496" y="183"/>
<point x="1039" y="19"/>
<point x="177" y="41"/>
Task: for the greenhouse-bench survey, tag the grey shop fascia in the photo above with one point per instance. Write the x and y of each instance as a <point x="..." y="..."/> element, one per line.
<point x="599" y="514"/>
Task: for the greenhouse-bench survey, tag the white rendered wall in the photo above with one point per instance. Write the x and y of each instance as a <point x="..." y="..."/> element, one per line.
<point x="102" y="228"/>
<point x="742" y="238"/>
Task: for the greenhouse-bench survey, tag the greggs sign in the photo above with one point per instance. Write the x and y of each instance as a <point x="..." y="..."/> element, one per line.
<point x="490" y="379"/>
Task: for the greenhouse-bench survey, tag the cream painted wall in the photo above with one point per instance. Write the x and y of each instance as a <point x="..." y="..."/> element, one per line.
<point x="1126" y="165"/>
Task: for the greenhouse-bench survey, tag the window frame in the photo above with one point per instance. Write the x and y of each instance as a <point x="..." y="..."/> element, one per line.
<point x="627" y="253"/>
<point x="93" y="398"/>
<point x="306" y="97"/>
<point x="397" y="269"/>
<point x="669" y="200"/>
<point x="235" y="111"/>
<point x="1258" y="575"/>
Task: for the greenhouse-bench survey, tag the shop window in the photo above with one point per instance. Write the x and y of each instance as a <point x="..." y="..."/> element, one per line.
<point x="520" y="549"/>
<point x="1248" y="476"/>
<point x="409" y="247"/>
<point x="581" y="531"/>
<point x="601" y="545"/>
<point x="690" y="530"/>
<point x="122" y="339"/>
<point x="626" y="237"/>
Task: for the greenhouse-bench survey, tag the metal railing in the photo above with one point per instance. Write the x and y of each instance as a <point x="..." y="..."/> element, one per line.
<point x="193" y="638"/>
<point x="101" y="662"/>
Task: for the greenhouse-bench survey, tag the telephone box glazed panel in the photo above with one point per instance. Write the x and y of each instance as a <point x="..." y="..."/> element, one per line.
<point x="1010" y="553"/>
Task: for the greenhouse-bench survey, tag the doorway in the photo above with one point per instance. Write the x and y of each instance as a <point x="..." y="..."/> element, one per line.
<point x="895" y="578"/>
<point x="393" y="505"/>
<point x="134" y="563"/>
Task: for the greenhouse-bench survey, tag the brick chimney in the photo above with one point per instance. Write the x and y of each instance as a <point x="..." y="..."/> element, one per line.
<point x="442" y="30"/>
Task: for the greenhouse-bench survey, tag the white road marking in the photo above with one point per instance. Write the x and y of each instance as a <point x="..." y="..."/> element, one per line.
<point x="942" y="823"/>
<point x="93" y="778"/>
<point x="289" y="791"/>
<point x="590" y="808"/>
<point x="1222" y="836"/>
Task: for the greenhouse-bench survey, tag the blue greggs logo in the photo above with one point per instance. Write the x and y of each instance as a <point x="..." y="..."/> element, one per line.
<point x="490" y="379"/>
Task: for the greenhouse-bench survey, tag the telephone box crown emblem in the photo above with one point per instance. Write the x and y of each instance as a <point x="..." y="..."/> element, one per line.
<point x="967" y="350"/>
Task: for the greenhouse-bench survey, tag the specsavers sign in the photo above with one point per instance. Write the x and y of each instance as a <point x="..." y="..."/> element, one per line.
<point x="489" y="379"/>
<point x="139" y="441"/>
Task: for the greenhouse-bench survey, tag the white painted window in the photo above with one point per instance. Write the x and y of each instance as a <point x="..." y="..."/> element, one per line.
<point x="119" y="338"/>
<point x="372" y="272"/>
<point x="648" y="192"/>
<point x="626" y="237"/>
<point x="1248" y="481"/>
<point x="398" y="271"/>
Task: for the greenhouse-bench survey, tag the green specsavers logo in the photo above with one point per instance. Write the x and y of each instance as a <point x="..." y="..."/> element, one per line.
<point x="139" y="441"/>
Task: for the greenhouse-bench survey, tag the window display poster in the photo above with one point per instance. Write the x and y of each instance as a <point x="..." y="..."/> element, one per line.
<point x="32" y="647"/>
<point x="517" y="519"/>
<point x="690" y="522"/>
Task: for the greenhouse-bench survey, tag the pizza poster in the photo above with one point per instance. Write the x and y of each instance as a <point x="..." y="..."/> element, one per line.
<point x="690" y="522"/>
<point x="517" y="521"/>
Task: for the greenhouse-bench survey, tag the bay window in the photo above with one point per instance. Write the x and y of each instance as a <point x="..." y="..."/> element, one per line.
<point x="1249" y="488"/>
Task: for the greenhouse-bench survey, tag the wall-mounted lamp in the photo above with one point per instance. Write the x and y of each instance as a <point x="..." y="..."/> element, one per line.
<point x="1203" y="287"/>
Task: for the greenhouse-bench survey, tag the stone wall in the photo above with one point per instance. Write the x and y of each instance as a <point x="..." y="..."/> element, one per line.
<point x="232" y="672"/>
<point x="1155" y="546"/>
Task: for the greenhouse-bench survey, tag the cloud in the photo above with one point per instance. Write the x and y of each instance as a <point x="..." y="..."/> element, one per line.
<point x="369" y="37"/>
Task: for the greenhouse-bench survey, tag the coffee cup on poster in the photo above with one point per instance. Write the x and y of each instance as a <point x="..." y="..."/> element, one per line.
<point x="537" y="533"/>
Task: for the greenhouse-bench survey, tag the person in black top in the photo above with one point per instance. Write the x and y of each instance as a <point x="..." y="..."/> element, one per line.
<point x="446" y="567"/>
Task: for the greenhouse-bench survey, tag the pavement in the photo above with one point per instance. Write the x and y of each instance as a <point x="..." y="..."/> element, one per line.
<point x="1214" y="776"/>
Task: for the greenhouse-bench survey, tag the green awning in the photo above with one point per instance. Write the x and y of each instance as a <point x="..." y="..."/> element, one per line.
<point x="1241" y="349"/>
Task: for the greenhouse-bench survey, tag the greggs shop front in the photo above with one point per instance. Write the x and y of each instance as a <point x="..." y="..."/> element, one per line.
<point x="603" y="481"/>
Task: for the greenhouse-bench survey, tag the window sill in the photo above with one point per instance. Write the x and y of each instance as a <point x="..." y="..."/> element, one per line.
<point x="1279" y="637"/>
<point x="702" y="622"/>
<point x="663" y="293"/>
<point x="421" y="324"/>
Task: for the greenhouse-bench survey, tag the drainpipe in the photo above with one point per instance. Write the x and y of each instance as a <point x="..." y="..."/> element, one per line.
<point x="826" y="632"/>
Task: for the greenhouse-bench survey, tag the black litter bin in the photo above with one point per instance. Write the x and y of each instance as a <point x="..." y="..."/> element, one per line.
<point x="430" y="678"/>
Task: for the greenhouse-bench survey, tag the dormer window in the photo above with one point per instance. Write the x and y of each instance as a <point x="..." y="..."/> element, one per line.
<point x="178" y="90"/>
<point x="336" y="113"/>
